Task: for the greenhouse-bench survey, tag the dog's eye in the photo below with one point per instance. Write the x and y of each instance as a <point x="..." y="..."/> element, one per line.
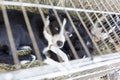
<point x="56" y="28"/>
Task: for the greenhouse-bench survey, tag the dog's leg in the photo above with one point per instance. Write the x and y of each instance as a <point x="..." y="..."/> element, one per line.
<point x="63" y="30"/>
<point x="47" y="36"/>
<point x="45" y="50"/>
<point x="63" y="27"/>
<point x="59" y="53"/>
<point x="62" y="55"/>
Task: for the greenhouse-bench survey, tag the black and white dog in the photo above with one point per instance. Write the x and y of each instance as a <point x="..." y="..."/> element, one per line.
<point x="73" y="37"/>
<point x="21" y="34"/>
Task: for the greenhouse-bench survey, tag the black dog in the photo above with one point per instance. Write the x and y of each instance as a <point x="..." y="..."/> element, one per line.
<point x="77" y="43"/>
<point x="19" y="31"/>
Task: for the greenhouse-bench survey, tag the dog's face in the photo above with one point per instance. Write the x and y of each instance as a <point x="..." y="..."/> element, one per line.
<point x="54" y="24"/>
<point x="58" y="31"/>
<point x="59" y="39"/>
<point x="56" y="39"/>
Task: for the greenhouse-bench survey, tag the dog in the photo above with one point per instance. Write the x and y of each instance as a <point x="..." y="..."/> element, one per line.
<point x="56" y="41"/>
<point x="21" y="34"/>
<point x="73" y="37"/>
<point x="77" y="43"/>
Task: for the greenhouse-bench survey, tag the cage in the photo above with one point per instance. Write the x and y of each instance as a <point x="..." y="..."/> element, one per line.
<point x="59" y="40"/>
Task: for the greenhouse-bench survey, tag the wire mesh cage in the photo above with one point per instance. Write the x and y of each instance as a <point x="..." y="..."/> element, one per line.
<point x="59" y="39"/>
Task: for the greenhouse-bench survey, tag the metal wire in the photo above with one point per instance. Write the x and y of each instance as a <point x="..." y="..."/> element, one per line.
<point x="80" y="18"/>
<point x="78" y="35"/>
<point x="105" y="20"/>
<point x="100" y="24"/>
<point x="112" y="19"/>
<point x="55" y="7"/>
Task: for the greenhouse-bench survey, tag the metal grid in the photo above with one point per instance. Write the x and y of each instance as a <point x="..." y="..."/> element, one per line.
<point x="98" y="18"/>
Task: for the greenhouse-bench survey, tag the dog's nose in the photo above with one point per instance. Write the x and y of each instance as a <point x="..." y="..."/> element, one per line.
<point x="59" y="43"/>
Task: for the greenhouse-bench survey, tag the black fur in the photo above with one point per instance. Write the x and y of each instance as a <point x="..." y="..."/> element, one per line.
<point x="77" y="43"/>
<point x="19" y="31"/>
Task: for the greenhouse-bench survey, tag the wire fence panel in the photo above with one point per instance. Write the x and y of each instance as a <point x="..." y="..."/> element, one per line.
<point x="61" y="39"/>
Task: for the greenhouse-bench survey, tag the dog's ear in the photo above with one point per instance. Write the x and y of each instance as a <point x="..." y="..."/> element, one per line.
<point x="51" y="15"/>
<point x="51" y="12"/>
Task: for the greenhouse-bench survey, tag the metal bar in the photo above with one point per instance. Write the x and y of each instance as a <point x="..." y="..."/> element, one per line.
<point x="93" y="75"/>
<point x="79" y="37"/>
<point x="100" y="24"/>
<point x="90" y="21"/>
<point x="37" y="52"/>
<point x="113" y="10"/>
<point x="117" y="2"/>
<point x="55" y="7"/>
<point x="111" y="18"/>
<point x="10" y="36"/>
<point x="105" y="65"/>
<point x="84" y="25"/>
<point x="104" y="18"/>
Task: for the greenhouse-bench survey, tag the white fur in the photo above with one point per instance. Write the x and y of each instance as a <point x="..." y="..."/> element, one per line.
<point x="26" y="61"/>
<point x="52" y="41"/>
<point x="25" y="48"/>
